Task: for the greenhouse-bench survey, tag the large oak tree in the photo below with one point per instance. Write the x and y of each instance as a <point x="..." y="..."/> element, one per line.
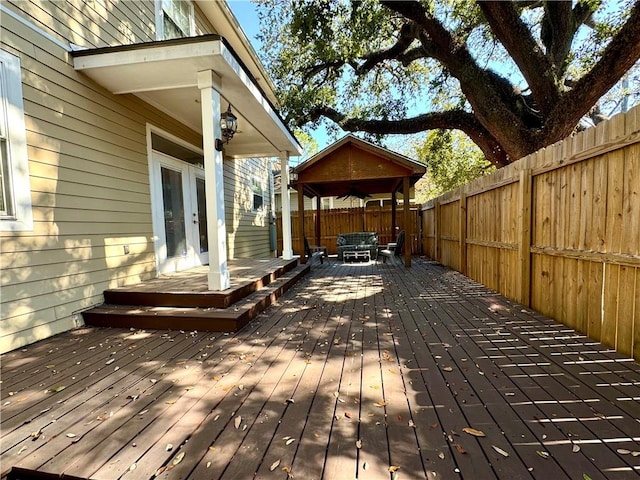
<point x="515" y="76"/>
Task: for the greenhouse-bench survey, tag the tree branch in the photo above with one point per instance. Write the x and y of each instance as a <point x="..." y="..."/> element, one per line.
<point x="620" y="55"/>
<point x="540" y="75"/>
<point x="452" y="119"/>
<point x="406" y="37"/>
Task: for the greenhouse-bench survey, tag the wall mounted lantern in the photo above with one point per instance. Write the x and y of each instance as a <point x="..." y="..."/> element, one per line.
<point x="229" y="126"/>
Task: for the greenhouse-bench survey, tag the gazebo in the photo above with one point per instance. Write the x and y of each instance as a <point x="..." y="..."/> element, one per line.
<point x="355" y="167"/>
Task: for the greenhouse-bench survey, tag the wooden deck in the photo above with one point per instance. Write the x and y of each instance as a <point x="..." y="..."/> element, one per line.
<point x="368" y="371"/>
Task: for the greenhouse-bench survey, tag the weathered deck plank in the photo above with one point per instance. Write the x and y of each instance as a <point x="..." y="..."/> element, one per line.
<point x="385" y="367"/>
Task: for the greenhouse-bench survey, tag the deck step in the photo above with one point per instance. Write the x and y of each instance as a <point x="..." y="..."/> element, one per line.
<point x="213" y="319"/>
<point x="200" y="296"/>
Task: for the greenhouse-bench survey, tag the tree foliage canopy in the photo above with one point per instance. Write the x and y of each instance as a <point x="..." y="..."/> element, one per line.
<point x="515" y="76"/>
<point x="451" y="159"/>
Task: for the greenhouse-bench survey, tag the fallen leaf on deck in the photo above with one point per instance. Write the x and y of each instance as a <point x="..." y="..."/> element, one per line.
<point x="411" y="424"/>
<point x="170" y="402"/>
<point x="169" y="447"/>
<point x="376" y="387"/>
<point x="347" y="414"/>
<point x="24" y="447"/>
<point x="500" y="451"/>
<point x="380" y="404"/>
<point x="394" y="468"/>
<point x="358" y="443"/>
<point x="71" y="435"/>
<point x="585" y="477"/>
<point x="365" y="465"/>
<point x="178" y="458"/>
<point x="460" y="448"/>
<point x="288" y="471"/>
<point x="208" y="464"/>
<point x="441" y="455"/>
<point x="542" y="453"/>
<point x="274" y="465"/>
<point x="623" y="451"/>
<point x="447" y="369"/>
<point x="132" y="467"/>
<point x="434" y="425"/>
<point x="160" y="471"/>
<point x="109" y="362"/>
<point x="57" y="389"/>
<point x="474" y="432"/>
<point x="191" y="387"/>
<point x="290" y="441"/>
<point x="575" y="448"/>
<point x="237" y="421"/>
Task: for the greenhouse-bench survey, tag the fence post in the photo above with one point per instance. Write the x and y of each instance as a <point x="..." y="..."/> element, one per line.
<point x="462" y="232"/>
<point x="524" y="237"/>
<point x="436" y="221"/>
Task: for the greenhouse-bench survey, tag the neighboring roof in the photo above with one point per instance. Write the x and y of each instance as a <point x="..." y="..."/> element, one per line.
<point x="355" y="167"/>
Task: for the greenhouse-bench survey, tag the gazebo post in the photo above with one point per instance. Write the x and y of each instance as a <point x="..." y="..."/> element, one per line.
<point x="407" y="222"/>
<point x="394" y="223"/>
<point x="318" y="210"/>
<point x="303" y="256"/>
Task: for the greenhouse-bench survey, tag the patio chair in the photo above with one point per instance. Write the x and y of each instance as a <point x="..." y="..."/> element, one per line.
<point x="393" y="249"/>
<point x="311" y="255"/>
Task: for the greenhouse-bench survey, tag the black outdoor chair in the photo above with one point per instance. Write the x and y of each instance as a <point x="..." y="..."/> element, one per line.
<point x="393" y="250"/>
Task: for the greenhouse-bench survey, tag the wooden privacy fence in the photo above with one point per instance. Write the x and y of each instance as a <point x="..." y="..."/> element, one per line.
<point x="558" y="231"/>
<point x="359" y="219"/>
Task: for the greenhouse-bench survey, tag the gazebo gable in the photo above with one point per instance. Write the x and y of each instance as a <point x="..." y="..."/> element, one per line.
<point x="350" y="162"/>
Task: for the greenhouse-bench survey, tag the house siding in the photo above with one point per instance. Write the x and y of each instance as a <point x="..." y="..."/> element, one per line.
<point x="88" y="167"/>
<point x="248" y="230"/>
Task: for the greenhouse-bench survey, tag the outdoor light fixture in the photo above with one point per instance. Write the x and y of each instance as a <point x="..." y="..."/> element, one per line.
<point x="229" y="126"/>
<point x="293" y="176"/>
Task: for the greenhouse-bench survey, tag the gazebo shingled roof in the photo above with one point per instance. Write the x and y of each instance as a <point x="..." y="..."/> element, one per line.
<point x="355" y="167"/>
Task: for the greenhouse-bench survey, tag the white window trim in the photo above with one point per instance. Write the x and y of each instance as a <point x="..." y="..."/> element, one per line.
<point x="159" y="13"/>
<point x="18" y="162"/>
<point x="258" y="182"/>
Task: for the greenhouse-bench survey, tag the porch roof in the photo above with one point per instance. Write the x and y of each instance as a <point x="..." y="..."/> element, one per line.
<point x="165" y="75"/>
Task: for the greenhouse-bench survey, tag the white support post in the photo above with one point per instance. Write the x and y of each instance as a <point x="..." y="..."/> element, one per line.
<point x="287" y="244"/>
<point x="209" y="84"/>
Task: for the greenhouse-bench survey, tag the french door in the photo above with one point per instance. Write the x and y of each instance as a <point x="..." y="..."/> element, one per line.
<point x="179" y="214"/>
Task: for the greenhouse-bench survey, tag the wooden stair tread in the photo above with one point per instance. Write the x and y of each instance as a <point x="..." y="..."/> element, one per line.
<point x="195" y="318"/>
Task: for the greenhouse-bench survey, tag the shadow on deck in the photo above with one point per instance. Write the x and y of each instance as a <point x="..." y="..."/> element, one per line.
<point x="365" y="371"/>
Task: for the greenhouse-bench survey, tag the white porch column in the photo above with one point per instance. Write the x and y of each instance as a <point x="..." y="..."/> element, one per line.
<point x="209" y="84"/>
<point x="287" y="248"/>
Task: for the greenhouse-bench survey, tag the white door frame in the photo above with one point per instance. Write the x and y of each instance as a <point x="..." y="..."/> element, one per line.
<point x="192" y="256"/>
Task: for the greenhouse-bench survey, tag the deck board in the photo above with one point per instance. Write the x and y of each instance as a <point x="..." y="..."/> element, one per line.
<point x="398" y="359"/>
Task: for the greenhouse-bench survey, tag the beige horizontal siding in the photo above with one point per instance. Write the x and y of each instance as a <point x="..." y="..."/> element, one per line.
<point x="248" y="231"/>
<point x="88" y="172"/>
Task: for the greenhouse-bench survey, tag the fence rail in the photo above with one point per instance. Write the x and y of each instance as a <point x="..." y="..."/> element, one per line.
<point x="359" y="219"/>
<point x="558" y="231"/>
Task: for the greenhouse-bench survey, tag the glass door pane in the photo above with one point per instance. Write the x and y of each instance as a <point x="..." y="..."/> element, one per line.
<point x="173" y="202"/>
<point x="202" y="215"/>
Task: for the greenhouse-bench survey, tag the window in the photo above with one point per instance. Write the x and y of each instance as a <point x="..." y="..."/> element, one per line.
<point x="15" y="192"/>
<point x="258" y="195"/>
<point x="174" y="19"/>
